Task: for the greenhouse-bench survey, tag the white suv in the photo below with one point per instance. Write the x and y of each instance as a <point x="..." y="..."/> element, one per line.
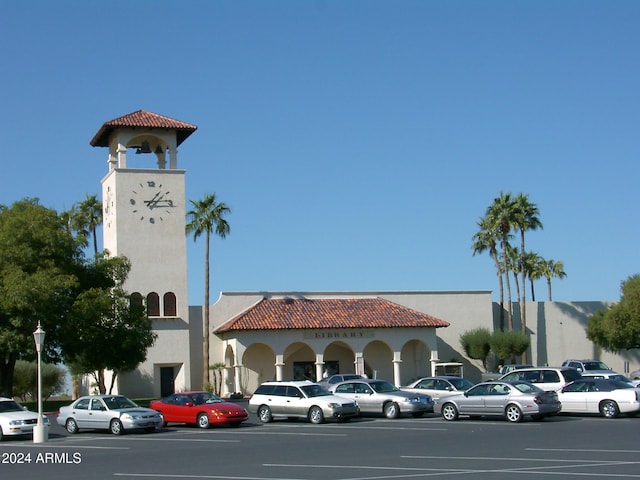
<point x="547" y="378"/>
<point x="587" y="366"/>
<point x="300" y="399"/>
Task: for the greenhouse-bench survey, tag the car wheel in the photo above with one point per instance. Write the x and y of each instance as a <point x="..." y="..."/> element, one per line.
<point x="513" y="413"/>
<point x="163" y="422"/>
<point x="71" y="426"/>
<point x="609" y="409"/>
<point x="203" y="421"/>
<point x="315" y="415"/>
<point x="115" y="427"/>
<point x="0" y="433"/>
<point x="391" y="410"/>
<point x="449" y="412"/>
<point x="264" y="414"/>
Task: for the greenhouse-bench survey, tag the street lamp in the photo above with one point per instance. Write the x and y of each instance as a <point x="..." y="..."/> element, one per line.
<point x="40" y="433"/>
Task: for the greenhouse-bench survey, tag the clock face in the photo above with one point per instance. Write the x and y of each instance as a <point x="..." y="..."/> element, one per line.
<point x="151" y="202"/>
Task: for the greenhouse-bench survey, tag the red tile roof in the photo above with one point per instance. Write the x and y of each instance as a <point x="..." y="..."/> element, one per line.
<point x="290" y="313"/>
<point x="142" y="119"/>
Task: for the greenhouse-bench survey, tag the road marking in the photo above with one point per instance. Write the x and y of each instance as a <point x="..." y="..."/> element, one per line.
<point x="225" y="477"/>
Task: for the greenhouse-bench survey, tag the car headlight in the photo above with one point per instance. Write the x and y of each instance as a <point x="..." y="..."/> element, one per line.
<point x="17" y="422"/>
<point x="333" y="405"/>
<point x="127" y="416"/>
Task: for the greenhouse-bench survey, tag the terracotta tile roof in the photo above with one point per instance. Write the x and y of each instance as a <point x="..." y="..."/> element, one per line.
<point x="142" y="119"/>
<point x="289" y="313"/>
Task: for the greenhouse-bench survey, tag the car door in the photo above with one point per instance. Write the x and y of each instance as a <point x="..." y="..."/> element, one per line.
<point x="99" y="415"/>
<point x="181" y="409"/>
<point x="473" y="402"/>
<point x="574" y="397"/>
<point x="496" y="399"/>
<point x="295" y="402"/>
<point x="80" y="413"/>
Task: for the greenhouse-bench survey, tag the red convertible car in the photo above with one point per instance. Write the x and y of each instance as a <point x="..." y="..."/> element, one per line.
<point x="199" y="408"/>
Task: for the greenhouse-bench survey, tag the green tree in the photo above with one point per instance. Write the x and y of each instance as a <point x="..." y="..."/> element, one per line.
<point x="207" y="217"/>
<point x="476" y="344"/>
<point x="39" y="268"/>
<point x="618" y="327"/>
<point x="25" y="383"/>
<point x="109" y="333"/>
<point x="509" y="344"/>
<point x="525" y="218"/>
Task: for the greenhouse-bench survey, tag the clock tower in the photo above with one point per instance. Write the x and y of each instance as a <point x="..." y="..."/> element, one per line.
<point x="144" y="214"/>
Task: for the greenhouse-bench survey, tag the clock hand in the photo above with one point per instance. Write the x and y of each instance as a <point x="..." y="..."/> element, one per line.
<point x="153" y="203"/>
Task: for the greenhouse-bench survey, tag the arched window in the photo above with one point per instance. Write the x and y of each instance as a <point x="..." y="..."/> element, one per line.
<point x="169" y="301"/>
<point x="153" y="305"/>
<point x="135" y="300"/>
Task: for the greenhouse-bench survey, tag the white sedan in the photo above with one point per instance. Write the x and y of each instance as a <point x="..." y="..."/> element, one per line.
<point x="15" y="420"/>
<point x="607" y="397"/>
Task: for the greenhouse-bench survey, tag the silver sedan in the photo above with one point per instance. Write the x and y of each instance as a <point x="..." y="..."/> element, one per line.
<point x="115" y="413"/>
<point x="513" y="400"/>
<point x="380" y="396"/>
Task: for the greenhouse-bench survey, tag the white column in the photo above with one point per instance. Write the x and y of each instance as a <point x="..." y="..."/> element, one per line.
<point x="397" y="376"/>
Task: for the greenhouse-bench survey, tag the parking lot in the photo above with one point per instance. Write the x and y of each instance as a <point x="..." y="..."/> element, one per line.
<point x="365" y="448"/>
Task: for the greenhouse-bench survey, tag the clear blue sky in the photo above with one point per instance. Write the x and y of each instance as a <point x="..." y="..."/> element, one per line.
<point x="356" y="142"/>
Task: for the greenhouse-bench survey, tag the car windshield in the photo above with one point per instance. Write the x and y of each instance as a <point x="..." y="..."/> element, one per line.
<point x="383" y="387"/>
<point x="595" y="366"/>
<point x="205" y="397"/>
<point x="315" y="391"/>
<point x="461" y="383"/>
<point x="117" y="402"/>
<point x="10" y="406"/>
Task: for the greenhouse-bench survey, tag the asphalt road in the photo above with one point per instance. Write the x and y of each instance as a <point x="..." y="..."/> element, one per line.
<point x="366" y="448"/>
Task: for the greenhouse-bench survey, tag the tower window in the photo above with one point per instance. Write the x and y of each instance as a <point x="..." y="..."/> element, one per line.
<point x="153" y="305"/>
<point x="169" y="301"/>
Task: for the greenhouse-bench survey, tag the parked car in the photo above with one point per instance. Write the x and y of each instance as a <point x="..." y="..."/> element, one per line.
<point x="547" y="378"/>
<point x="607" y="397"/>
<point x="16" y="420"/>
<point x="439" y="386"/>
<point x="380" y="396"/>
<point x="584" y="366"/>
<point x="513" y="400"/>
<point x="339" y="377"/>
<point x="199" y="408"/>
<point x="300" y="399"/>
<point x="635" y="375"/>
<point x="115" y="413"/>
<point x="611" y="376"/>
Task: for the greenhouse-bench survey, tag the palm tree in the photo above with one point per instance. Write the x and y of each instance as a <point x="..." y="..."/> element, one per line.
<point x="486" y="239"/>
<point x="84" y="218"/>
<point x="553" y="269"/>
<point x="525" y="218"/>
<point x="502" y="216"/>
<point x="533" y="263"/>
<point x="206" y="217"/>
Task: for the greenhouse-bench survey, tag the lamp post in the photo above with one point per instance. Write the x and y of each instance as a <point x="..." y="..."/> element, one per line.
<point x="40" y="433"/>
